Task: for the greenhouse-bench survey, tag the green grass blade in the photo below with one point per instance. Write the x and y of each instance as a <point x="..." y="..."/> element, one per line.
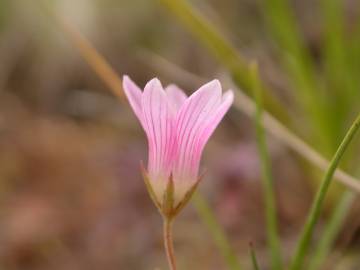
<point x="267" y="181"/>
<point x="304" y="242"/>
<point x="299" y="63"/>
<point x="331" y="231"/>
<point x="221" y="48"/>
<point x="254" y="260"/>
<point x="207" y="216"/>
<point x="341" y="80"/>
<point x="337" y="48"/>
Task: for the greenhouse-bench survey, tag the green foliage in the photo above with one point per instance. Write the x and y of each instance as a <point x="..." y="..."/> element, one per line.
<point x="221" y="48"/>
<point x="267" y="181"/>
<point x="316" y="207"/>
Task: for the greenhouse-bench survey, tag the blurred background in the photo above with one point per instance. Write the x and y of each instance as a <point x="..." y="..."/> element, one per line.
<point x="71" y="193"/>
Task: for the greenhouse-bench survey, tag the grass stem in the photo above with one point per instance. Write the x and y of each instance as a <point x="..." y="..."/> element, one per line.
<point x="304" y="242"/>
<point x="267" y="179"/>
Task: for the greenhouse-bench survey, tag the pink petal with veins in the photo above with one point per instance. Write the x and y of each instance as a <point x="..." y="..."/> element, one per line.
<point x="177" y="129"/>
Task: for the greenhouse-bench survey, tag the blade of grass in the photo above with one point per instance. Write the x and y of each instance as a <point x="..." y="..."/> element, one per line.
<point x="353" y="49"/>
<point x="341" y="81"/>
<point x="343" y="64"/>
<point x="253" y="257"/>
<point x="331" y="231"/>
<point x="336" y="49"/>
<point x="266" y="175"/>
<point x="218" y="234"/>
<point x="5" y="11"/>
<point x="221" y="48"/>
<point x="274" y="127"/>
<point x="297" y="60"/>
<point x="303" y="244"/>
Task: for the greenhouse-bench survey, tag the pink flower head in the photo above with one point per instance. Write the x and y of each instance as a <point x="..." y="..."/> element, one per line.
<point x="177" y="129"/>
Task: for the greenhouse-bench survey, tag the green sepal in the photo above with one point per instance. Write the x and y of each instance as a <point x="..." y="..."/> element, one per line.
<point x="168" y="199"/>
<point x="167" y="206"/>
<point x="187" y="197"/>
<point x="149" y="187"/>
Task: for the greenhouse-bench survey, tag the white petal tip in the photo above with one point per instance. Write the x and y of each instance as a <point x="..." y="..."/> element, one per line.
<point x="154" y="85"/>
<point x="229" y="95"/>
<point x="127" y="83"/>
<point x="216" y="83"/>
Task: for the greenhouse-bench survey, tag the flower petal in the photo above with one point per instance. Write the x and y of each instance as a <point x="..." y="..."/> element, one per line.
<point x="133" y="94"/>
<point x="191" y="118"/>
<point x="192" y="147"/>
<point x="214" y="120"/>
<point x="176" y="96"/>
<point x="209" y="127"/>
<point x="158" y="122"/>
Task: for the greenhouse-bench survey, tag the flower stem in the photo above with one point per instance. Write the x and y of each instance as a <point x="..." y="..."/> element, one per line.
<point x="168" y="243"/>
<point x="314" y="214"/>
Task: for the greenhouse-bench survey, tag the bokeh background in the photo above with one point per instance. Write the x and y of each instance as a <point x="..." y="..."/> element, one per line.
<point x="71" y="194"/>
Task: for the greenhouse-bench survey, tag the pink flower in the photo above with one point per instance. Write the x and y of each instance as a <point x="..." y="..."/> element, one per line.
<point x="177" y="129"/>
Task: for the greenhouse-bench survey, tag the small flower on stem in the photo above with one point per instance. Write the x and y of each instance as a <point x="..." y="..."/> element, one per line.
<point x="177" y="129"/>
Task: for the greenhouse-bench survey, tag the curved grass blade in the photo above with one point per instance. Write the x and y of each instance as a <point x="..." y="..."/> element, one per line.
<point x="331" y="231"/>
<point x="304" y="242"/>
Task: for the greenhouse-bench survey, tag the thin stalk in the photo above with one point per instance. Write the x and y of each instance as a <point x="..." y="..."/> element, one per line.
<point x="254" y="258"/>
<point x="267" y="180"/>
<point x="331" y="231"/>
<point x="168" y="244"/>
<point x="207" y="216"/>
<point x="303" y="244"/>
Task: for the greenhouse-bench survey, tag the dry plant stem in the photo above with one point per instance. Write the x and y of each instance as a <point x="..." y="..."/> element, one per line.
<point x="279" y="131"/>
<point x="168" y="243"/>
<point x="95" y="60"/>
